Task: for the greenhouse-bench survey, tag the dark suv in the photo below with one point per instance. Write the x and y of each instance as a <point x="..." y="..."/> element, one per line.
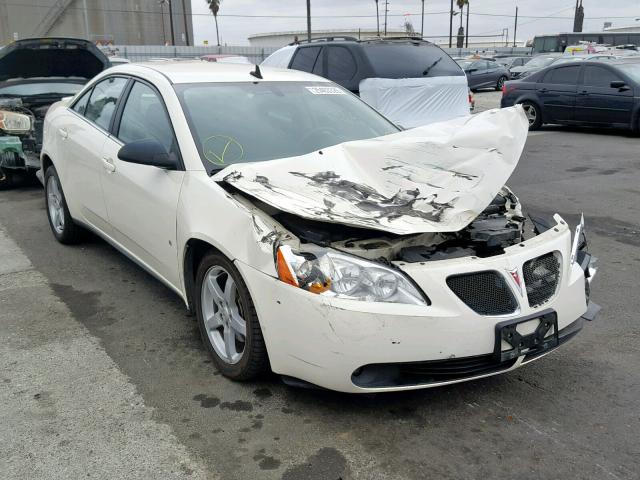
<point x="347" y="61"/>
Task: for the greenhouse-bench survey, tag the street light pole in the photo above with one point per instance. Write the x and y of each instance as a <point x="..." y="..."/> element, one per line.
<point x="466" y="42"/>
<point x="450" y="24"/>
<point x="386" y="9"/>
<point x="309" y="20"/>
<point x="422" y="27"/>
<point x="515" y="28"/>
<point x="186" y="25"/>
<point x="377" y="18"/>
<point x="173" y="37"/>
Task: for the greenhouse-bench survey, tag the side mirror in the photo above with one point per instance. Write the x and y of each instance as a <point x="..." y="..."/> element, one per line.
<point x="620" y="85"/>
<point x="148" y="152"/>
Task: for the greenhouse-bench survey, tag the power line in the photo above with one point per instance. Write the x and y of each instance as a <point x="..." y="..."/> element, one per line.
<point x="232" y="15"/>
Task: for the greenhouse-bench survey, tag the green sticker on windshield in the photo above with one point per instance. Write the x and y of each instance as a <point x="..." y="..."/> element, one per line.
<point x="222" y="150"/>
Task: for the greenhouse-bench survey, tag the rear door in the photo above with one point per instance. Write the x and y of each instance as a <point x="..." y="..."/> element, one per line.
<point x="557" y="93"/>
<point x="598" y="103"/>
<point x="142" y="200"/>
<point x="477" y="74"/>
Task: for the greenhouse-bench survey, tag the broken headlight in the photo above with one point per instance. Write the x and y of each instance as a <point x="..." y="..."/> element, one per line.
<point x="331" y="273"/>
<point x="13" y="122"/>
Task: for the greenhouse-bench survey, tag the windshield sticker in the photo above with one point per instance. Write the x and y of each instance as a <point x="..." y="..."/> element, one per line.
<point x="222" y="150"/>
<point x="326" y="90"/>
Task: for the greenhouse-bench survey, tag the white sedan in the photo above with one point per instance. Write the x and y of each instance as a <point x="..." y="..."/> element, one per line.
<point x="308" y="234"/>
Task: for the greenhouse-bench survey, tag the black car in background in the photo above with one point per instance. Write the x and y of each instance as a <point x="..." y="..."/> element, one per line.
<point x="580" y="93"/>
<point x="483" y="73"/>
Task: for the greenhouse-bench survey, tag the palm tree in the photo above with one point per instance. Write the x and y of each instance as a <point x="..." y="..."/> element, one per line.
<point x="214" y="6"/>
<point x="461" y="4"/>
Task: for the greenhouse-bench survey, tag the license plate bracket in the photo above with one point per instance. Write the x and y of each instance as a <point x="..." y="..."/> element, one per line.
<point x="535" y="343"/>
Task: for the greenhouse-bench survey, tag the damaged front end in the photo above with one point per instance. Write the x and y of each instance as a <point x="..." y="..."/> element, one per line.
<point x="18" y="145"/>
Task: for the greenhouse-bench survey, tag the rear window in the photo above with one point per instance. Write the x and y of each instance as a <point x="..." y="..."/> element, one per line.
<point x="407" y="60"/>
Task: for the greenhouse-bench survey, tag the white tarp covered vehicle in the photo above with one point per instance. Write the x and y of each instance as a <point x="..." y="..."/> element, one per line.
<point x="310" y="235"/>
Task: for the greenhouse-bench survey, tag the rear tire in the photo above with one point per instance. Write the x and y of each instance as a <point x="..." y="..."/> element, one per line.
<point x="227" y="319"/>
<point x="534" y="115"/>
<point x="7" y="180"/>
<point x="62" y="225"/>
<point x="500" y="83"/>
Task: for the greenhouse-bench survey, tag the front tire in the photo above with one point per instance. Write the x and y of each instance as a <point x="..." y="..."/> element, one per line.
<point x="227" y="319"/>
<point x="500" y="83"/>
<point x="62" y="225"/>
<point x="534" y="115"/>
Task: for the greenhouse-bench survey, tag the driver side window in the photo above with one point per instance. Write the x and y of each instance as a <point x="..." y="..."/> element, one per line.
<point x="144" y="117"/>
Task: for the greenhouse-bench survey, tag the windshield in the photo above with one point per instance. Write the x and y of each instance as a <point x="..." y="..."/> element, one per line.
<point x="250" y="122"/>
<point x="465" y="63"/>
<point x="49" y="88"/>
<point x="540" y="62"/>
<point x="632" y="70"/>
<point x="407" y="60"/>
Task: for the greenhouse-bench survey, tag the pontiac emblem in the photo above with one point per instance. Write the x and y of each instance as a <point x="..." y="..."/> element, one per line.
<point x="515" y="276"/>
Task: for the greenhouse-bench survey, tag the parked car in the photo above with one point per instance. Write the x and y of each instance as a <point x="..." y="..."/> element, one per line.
<point x="512" y="62"/>
<point x="580" y="93"/>
<point x="410" y="81"/>
<point x="308" y="234"/>
<point x="118" y="60"/>
<point x="484" y="74"/>
<point x="535" y="64"/>
<point x="35" y="73"/>
<point x="594" y="57"/>
<point x="225" y="58"/>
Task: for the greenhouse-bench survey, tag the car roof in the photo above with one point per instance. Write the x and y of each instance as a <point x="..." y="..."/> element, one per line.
<point x="198" y="71"/>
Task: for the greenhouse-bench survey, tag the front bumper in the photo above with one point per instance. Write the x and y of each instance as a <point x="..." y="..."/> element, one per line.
<point x="324" y="340"/>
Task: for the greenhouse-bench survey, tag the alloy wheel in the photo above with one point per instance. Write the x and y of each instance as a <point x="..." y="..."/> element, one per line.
<point x="223" y="315"/>
<point x="54" y="204"/>
<point x="531" y="112"/>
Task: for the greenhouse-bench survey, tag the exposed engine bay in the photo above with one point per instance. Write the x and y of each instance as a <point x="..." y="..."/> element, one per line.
<point x="21" y="150"/>
<point x="499" y="226"/>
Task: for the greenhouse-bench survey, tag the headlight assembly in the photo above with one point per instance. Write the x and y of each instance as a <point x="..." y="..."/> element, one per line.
<point x="331" y="273"/>
<point x="13" y="122"/>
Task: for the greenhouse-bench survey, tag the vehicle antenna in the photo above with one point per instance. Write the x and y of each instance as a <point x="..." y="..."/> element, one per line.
<point x="256" y="73"/>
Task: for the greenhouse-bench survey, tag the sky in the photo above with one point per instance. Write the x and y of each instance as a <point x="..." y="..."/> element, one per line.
<point x="485" y="19"/>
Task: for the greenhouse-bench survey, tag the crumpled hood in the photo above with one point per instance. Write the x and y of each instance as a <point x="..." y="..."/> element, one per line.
<point x="436" y="178"/>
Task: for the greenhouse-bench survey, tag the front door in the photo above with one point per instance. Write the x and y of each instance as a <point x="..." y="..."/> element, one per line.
<point x="599" y="103"/>
<point x="142" y="200"/>
<point x="85" y="129"/>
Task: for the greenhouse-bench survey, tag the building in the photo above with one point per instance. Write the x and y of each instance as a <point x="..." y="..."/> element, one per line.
<point x="122" y="22"/>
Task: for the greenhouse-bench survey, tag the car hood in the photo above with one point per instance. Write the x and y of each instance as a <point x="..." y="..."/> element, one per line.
<point x="51" y="57"/>
<point x="436" y="178"/>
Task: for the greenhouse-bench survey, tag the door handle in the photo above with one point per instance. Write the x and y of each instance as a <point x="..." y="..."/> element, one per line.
<point x="543" y="90"/>
<point x="108" y="164"/>
<point x="63" y="133"/>
<point x="583" y="92"/>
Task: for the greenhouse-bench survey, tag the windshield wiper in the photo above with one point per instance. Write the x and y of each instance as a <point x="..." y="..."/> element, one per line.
<point x="426" y="72"/>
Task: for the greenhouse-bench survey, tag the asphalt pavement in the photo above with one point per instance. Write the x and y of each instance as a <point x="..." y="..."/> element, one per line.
<point x="103" y="372"/>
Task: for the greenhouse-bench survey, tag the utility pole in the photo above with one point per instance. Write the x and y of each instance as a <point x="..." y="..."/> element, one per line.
<point x="164" y="34"/>
<point x="466" y="43"/>
<point x="515" y="28"/>
<point x="578" y="18"/>
<point x="386" y="9"/>
<point x="377" y="18"/>
<point x="309" y="20"/>
<point x="422" y="27"/>
<point x="173" y="37"/>
<point x="186" y="24"/>
<point x="451" y="24"/>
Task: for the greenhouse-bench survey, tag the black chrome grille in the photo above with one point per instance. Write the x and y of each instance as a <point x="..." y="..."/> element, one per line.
<point x="541" y="277"/>
<point x="424" y="373"/>
<point x="485" y="293"/>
